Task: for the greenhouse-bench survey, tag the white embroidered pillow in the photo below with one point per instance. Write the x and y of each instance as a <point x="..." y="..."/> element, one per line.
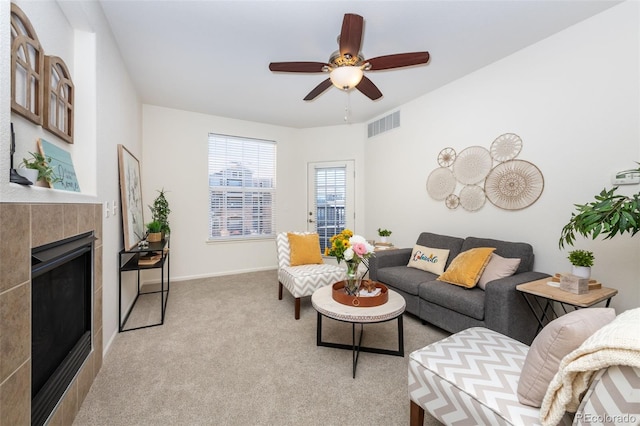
<point x="428" y="259"/>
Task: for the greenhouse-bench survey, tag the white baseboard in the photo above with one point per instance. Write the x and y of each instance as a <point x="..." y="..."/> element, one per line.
<point x="211" y="275"/>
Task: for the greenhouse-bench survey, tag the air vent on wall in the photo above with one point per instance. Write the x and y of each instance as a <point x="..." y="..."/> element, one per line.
<point x="384" y="124"/>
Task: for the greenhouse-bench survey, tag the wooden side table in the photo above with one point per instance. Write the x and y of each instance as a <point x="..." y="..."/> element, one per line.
<point x="533" y="290"/>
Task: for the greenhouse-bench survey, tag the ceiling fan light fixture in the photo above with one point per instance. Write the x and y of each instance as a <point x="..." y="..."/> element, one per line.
<point x="346" y="77"/>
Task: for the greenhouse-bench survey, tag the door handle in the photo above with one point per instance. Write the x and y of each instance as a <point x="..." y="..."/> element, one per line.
<point x="311" y="220"/>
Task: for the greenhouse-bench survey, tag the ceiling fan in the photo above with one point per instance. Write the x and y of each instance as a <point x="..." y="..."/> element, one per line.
<point x="346" y="66"/>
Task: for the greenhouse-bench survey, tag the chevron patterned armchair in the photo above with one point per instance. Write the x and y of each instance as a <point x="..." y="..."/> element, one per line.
<point x="302" y="280"/>
<point x="475" y="376"/>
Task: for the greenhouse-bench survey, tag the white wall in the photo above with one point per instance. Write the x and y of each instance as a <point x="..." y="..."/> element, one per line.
<point x="574" y="100"/>
<point x="570" y="97"/>
<point x="119" y="121"/>
<point x="57" y="38"/>
<point x="175" y="158"/>
<point x="107" y="113"/>
<point x="345" y="142"/>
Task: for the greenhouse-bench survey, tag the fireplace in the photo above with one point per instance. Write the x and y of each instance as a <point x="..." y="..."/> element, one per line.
<point x="62" y="288"/>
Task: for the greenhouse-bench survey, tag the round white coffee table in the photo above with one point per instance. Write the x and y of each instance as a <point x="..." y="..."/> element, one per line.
<point x="323" y="302"/>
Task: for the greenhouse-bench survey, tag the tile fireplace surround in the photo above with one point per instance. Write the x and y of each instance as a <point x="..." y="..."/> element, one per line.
<point x="23" y="226"/>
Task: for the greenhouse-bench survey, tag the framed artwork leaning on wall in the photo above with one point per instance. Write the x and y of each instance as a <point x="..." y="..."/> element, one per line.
<point x="130" y="198"/>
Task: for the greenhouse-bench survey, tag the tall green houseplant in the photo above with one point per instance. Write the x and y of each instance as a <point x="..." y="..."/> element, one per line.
<point x="160" y="211"/>
<point x="610" y="214"/>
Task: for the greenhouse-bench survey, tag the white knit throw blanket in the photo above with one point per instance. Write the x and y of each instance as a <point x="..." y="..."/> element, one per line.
<point x="617" y="343"/>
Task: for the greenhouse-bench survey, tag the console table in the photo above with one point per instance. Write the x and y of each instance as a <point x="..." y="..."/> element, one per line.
<point x="551" y="294"/>
<point x="136" y="260"/>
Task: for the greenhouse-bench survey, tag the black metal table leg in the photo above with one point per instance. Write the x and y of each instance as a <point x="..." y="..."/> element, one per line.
<point x="357" y="348"/>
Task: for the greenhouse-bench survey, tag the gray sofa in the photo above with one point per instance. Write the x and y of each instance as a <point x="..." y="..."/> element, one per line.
<point x="499" y="307"/>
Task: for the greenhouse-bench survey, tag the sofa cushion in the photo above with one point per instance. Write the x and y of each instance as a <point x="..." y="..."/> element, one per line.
<point x="498" y="267"/>
<point x="453" y="244"/>
<point x="305" y="249"/>
<point x="560" y="337"/>
<point x="404" y="278"/>
<point x="508" y="249"/>
<point x="466" y="268"/>
<point x="466" y="301"/>
<point x="428" y="259"/>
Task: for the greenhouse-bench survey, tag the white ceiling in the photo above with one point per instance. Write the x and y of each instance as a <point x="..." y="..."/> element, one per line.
<point x="212" y="56"/>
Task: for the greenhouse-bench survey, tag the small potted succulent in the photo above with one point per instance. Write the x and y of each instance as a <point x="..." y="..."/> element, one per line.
<point x="383" y="234"/>
<point x="582" y="261"/>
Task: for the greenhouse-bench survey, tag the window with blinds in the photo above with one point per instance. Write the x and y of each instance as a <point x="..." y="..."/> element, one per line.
<point x="242" y="187"/>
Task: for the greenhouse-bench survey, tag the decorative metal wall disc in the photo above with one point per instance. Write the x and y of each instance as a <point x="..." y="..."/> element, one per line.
<point x="452" y="201"/>
<point x="440" y="183"/>
<point x="506" y="147"/>
<point x="446" y="157"/>
<point x="472" y="165"/>
<point x="472" y="197"/>
<point x="514" y="185"/>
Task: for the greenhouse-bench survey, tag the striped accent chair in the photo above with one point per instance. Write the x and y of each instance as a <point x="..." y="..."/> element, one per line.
<point x="302" y="280"/>
<point x="471" y="377"/>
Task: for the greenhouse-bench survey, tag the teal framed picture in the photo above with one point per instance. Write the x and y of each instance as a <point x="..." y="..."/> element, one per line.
<point x="62" y="166"/>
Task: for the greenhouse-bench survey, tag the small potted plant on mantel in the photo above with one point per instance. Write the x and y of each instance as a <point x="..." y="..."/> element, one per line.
<point x="582" y="261"/>
<point x="383" y="234"/>
<point x="37" y="169"/>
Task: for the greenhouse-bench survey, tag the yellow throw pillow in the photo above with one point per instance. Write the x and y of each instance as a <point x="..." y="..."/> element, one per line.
<point x="467" y="267"/>
<point x="305" y="249"/>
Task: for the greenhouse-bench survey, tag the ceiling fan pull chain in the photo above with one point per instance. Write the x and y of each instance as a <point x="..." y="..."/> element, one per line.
<point x="347" y="108"/>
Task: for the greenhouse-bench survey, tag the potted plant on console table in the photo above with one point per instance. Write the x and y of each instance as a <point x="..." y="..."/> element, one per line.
<point x="160" y="212"/>
<point x="154" y="233"/>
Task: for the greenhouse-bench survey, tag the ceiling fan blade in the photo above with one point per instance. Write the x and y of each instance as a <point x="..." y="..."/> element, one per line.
<point x="318" y="89"/>
<point x="398" y="60"/>
<point x="351" y="34"/>
<point x="369" y="89"/>
<point x="297" y="66"/>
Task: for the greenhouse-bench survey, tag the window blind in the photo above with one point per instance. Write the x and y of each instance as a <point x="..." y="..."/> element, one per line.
<point x="242" y="185"/>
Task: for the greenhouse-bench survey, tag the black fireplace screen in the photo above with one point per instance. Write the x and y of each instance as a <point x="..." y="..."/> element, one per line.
<point x="61" y="289"/>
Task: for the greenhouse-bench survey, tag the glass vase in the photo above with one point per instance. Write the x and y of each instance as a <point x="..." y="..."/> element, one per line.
<point x="352" y="283"/>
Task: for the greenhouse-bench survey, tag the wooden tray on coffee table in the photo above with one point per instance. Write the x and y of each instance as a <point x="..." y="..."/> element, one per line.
<point x="340" y="296"/>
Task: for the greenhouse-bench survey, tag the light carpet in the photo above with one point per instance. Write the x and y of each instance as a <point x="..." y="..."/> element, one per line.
<point x="231" y="353"/>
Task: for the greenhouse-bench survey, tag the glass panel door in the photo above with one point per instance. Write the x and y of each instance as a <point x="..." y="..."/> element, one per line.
<point x="331" y="199"/>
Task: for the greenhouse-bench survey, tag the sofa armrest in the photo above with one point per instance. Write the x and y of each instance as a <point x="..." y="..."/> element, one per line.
<point x="384" y="259"/>
<point x="506" y="310"/>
